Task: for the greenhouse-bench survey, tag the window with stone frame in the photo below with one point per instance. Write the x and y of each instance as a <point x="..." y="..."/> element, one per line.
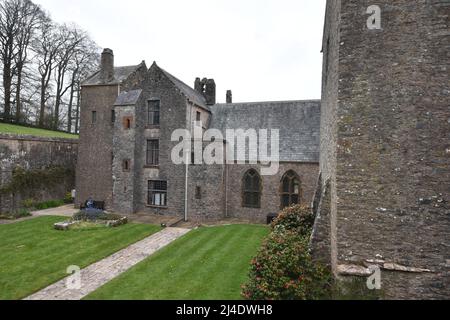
<point x="154" y="112"/>
<point x="127" y="122"/>
<point x="126" y="165"/>
<point x="157" y="193"/>
<point x="290" y="190"/>
<point x="152" y="152"/>
<point x="251" y="189"/>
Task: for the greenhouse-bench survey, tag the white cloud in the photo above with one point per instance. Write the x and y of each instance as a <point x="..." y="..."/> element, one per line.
<point x="261" y="49"/>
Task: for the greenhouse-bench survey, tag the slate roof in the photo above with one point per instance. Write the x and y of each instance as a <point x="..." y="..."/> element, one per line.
<point x="189" y="92"/>
<point x="128" y="98"/>
<point x="120" y="75"/>
<point x="298" y="122"/>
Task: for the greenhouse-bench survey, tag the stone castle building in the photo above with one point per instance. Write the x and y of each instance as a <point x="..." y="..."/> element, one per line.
<point x="378" y="143"/>
<point x="385" y="145"/>
<point x="128" y="117"/>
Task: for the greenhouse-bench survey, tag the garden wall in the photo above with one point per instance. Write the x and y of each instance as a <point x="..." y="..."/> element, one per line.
<point x="35" y="168"/>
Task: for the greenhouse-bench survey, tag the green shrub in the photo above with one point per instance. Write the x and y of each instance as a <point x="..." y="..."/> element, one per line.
<point x="49" y="204"/>
<point x="298" y="218"/>
<point x="21" y="213"/>
<point x="83" y="216"/>
<point x="28" y="203"/>
<point x="284" y="270"/>
<point x="68" y="198"/>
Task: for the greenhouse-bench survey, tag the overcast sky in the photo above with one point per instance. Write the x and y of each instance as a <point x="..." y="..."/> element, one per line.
<point x="261" y="49"/>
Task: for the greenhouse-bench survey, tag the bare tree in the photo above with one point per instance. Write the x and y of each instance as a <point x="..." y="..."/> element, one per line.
<point x="85" y="62"/>
<point x="46" y="47"/>
<point x="30" y="16"/>
<point x="40" y="63"/>
<point x="71" y="39"/>
<point x="9" y="28"/>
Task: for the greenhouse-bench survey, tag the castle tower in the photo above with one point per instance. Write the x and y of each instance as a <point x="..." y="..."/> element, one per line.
<point x="94" y="177"/>
<point x="383" y="199"/>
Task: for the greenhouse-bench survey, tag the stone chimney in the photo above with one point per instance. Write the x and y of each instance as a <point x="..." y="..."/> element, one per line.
<point x="207" y="87"/>
<point x="229" y="96"/>
<point x="107" y="66"/>
<point x="198" y="86"/>
<point x="210" y="92"/>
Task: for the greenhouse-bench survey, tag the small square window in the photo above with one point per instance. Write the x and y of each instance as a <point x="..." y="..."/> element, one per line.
<point x="157" y="193"/>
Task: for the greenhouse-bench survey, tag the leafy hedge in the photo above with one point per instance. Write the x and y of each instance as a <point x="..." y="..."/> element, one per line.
<point x="283" y="268"/>
<point x="49" y="204"/>
<point x="296" y="218"/>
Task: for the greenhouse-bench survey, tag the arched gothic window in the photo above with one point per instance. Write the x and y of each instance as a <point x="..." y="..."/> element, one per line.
<point x="290" y="190"/>
<point x="251" y="189"/>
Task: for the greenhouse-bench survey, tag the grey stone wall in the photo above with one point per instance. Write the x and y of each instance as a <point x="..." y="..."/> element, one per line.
<point x="211" y="181"/>
<point x="271" y="200"/>
<point x="35" y="153"/>
<point x="328" y="124"/>
<point x="173" y="116"/>
<point x="321" y="235"/>
<point x="385" y="141"/>
<point x="124" y="145"/>
<point x="95" y="154"/>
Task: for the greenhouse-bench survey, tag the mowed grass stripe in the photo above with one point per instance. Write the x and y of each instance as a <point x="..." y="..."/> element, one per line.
<point x="33" y="255"/>
<point x="189" y="268"/>
<point x="171" y="267"/>
<point x="208" y="278"/>
<point x="207" y="263"/>
<point x="83" y="247"/>
<point x="231" y="282"/>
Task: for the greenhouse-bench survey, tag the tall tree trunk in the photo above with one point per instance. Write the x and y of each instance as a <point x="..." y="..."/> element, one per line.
<point x="56" y="113"/>
<point x="42" y="104"/>
<point x="72" y="93"/>
<point x="69" y="112"/>
<point x="7" y="81"/>
<point x="18" y="93"/>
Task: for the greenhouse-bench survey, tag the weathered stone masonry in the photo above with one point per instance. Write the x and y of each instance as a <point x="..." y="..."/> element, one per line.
<point x="36" y="153"/>
<point x="385" y="144"/>
<point x="113" y="164"/>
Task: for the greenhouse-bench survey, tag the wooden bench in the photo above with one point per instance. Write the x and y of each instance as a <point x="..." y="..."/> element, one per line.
<point x="99" y="205"/>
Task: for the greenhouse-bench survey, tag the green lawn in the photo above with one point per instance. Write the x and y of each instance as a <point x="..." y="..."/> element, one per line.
<point x="33" y="255"/>
<point x="207" y="263"/>
<point x="15" y="129"/>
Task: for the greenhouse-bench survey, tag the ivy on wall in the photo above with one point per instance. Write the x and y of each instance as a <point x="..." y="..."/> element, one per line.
<point x="36" y="179"/>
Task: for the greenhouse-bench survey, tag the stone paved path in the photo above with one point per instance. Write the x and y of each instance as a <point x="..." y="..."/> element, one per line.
<point x="64" y="211"/>
<point x="103" y="271"/>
